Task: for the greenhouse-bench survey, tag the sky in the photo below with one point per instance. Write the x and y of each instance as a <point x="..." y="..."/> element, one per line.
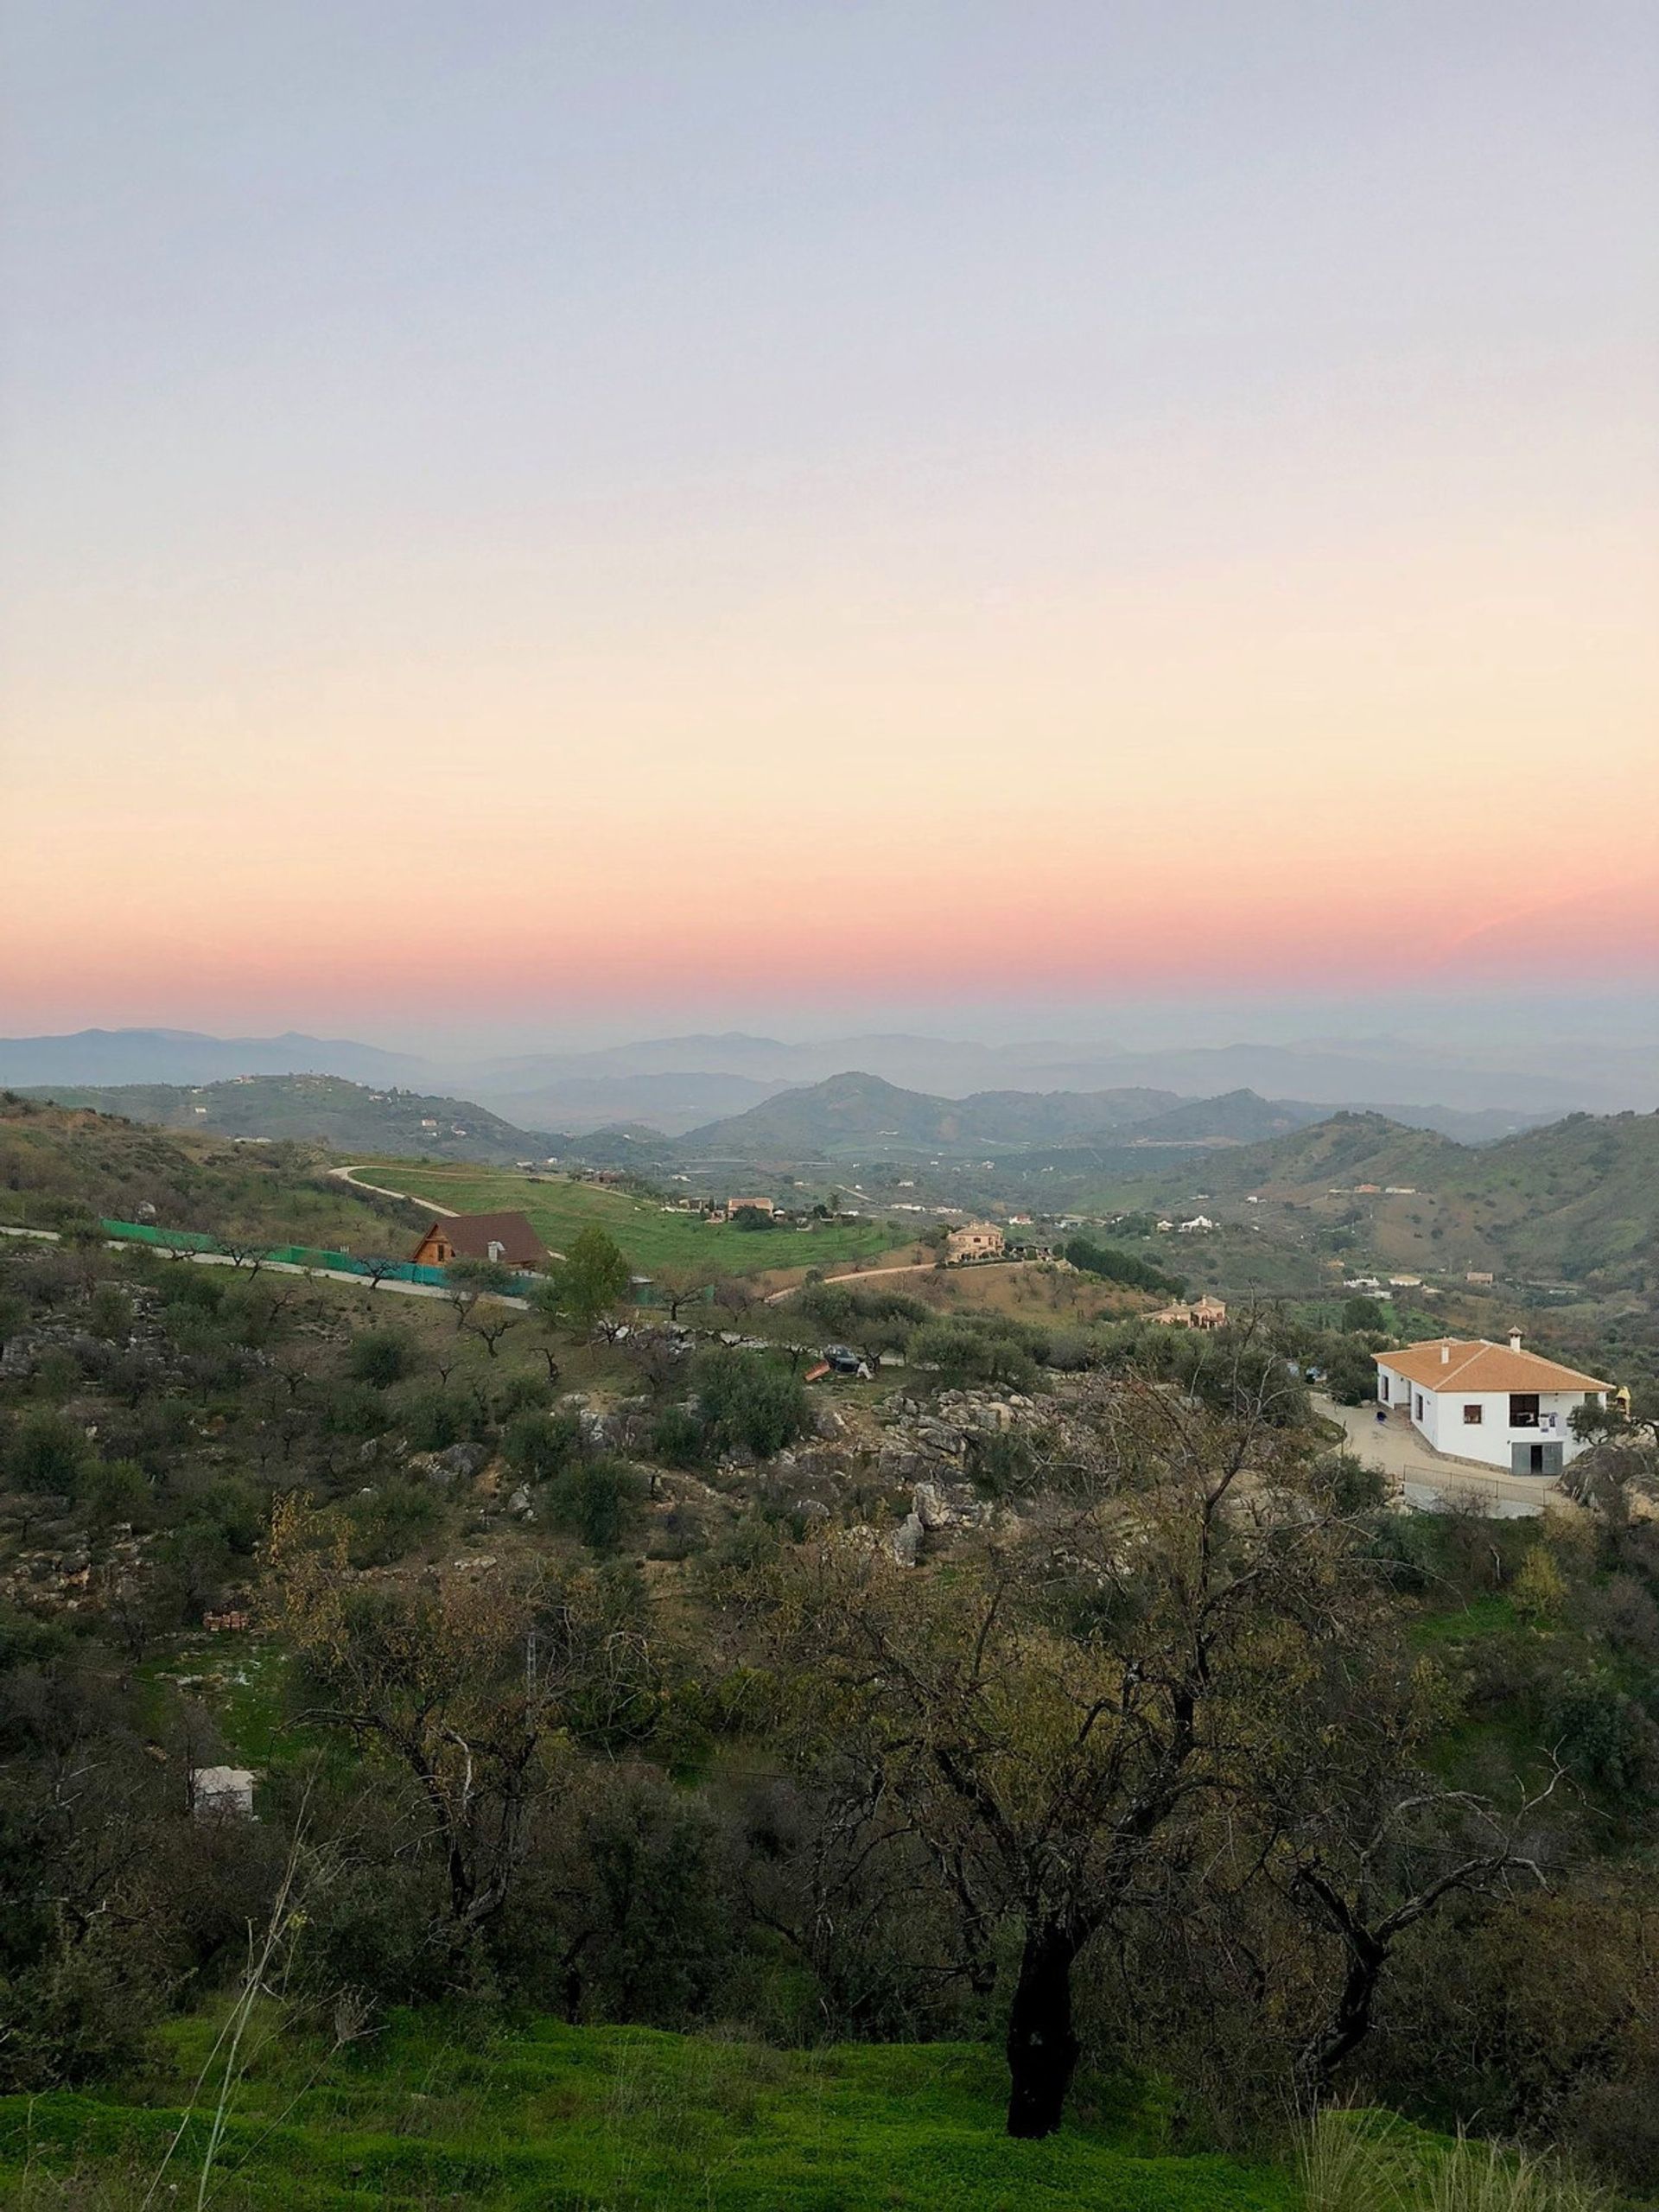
<point x="563" y="518"/>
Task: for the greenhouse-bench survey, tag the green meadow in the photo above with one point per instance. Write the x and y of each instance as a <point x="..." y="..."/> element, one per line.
<point x="559" y="1208"/>
<point x="596" y="2119"/>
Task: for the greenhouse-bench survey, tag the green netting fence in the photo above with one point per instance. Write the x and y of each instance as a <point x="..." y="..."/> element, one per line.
<point x="288" y="1256"/>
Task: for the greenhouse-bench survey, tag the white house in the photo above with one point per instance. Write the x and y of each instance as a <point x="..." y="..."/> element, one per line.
<point x="1494" y="1402"/>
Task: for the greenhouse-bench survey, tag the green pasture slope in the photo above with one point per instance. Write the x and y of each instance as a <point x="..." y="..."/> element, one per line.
<point x="559" y="1208"/>
<point x="602" y="2120"/>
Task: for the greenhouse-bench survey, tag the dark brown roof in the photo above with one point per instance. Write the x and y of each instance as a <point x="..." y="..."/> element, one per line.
<point x="470" y="1235"/>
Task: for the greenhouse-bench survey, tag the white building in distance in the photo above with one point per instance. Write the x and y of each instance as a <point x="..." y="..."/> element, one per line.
<point x="1493" y="1403"/>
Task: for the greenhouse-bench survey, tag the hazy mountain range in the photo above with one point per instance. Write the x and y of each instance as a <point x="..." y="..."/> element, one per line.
<point x="674" y="1084"/>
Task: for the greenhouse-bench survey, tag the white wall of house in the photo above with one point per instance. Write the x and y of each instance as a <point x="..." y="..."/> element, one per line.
<point x="1439" y="1417"/>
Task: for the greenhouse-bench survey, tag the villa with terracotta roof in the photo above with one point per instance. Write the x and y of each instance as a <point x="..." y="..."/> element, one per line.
<point x="1496" y="1403"/>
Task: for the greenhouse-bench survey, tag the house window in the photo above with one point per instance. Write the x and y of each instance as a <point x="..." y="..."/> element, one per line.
<point x="1524" y="1410"/>
<point x="1473" y="1416"/>
<point x="1419" y="1405"/>
<point x="1383" y="1386"/>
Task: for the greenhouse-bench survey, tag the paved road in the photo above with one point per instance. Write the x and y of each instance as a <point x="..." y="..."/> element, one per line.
<point x="1395" y="1446"/>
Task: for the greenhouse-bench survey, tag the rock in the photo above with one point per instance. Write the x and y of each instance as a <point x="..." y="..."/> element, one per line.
<point x="519" y="1502"/>
<point x="827" y="1423"/>
<point x="906" y="1542"/>
<point x="929" y="1509"/>
<point x="464" y="1460"/>
<point x="949" y="1505"/>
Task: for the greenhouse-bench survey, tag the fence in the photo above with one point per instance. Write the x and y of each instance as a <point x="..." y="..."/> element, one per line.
<point x="292" y="1255"/>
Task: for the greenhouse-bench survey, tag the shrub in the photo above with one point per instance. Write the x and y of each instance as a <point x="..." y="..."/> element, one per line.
<point x="750" y="1400"/>
<point x="594" y="1499"/>
<point x="434" y="1420"/>
<point x="354" y="1410"/>
<point x="678" y="1437"/>
<point x="965" y="1352"/>
<point x="46" y="1453"/>
<point x="381" y="1357"/>
<point x="108" y="1312"/>
<point x="1124" y="1268"/>
<point x="537" y="1446"/>
<point x="392" y="1520"/>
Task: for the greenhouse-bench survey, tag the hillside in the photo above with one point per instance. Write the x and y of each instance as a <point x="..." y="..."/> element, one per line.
<point x="183" y="1056"/>
<point x="1576" y="1200"/>
<point x="1338" y="1152"/>
<point x="58" y="1164"/>
<point x="1236" y="1117"/>
<point x="316" y="1109"/>
<point x="827" y="1120"/>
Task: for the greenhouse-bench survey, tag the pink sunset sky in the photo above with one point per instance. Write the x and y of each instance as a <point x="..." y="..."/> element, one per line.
<point x="534" y="513"/>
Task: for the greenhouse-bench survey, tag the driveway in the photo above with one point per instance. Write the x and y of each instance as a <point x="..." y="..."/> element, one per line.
<point x="1423" y="1477"/>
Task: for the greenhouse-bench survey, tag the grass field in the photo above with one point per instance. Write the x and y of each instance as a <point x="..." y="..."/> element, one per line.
<point x="559" y="1208"/>
<point x="602" y="2120"/>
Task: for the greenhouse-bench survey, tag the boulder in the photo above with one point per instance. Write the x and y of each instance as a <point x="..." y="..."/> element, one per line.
<point x="906" y="1542"/>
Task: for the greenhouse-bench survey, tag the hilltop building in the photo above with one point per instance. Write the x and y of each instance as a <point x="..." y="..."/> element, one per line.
<point x="974" y="1240"/>
<point x="507" y="1238"/>
<point x="1205" y="1312"/>
<point x="1494" y="1402"/>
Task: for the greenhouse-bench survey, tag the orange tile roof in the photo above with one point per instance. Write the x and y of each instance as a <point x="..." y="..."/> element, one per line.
<point x="1477" y="1365"/>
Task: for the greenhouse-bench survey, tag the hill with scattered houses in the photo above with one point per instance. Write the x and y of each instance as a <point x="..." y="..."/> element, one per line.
<point x="317" y="1109"/>
<point x="1576" y="1200"/>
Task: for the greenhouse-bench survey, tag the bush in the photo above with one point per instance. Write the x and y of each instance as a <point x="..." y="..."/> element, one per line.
<point x="1111" y="1266"/>
<point x="594" y="1499"/>
<point x="1608" y="1740"/>
<point x="381" y="1357"/>
<point x="109" y="1314"/>
<point x="46" y="1453"/>
<point x="748" y="1399"/>
<point x="536" y="1446"/>
<point x="678" y="1437"/>
<point x="434" y="1420"/>
<point x="354" y="1410"/>
<point x="392" y="1520"/>
<point x="965" y="1352"/>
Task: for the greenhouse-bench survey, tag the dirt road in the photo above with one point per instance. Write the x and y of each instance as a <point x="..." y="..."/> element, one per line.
<point x="427" y="1206"/>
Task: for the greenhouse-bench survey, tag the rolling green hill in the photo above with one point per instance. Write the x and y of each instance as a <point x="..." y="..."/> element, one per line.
<point x="316" y="1109"/>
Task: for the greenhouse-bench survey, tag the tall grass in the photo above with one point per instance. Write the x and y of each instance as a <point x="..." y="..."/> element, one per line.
<point x="1360" y="2161"/>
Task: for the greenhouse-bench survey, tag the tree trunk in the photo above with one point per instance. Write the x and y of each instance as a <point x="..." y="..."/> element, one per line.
<point x="1351" y="2021"/>
<point x="1041" y="2046"/>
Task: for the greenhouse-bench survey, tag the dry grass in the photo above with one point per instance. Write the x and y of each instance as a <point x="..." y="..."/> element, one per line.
<point x="1360" y="2162"/>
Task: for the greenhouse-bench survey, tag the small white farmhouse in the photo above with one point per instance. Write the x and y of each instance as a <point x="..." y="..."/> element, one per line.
<point x="1494" y="1402"/>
